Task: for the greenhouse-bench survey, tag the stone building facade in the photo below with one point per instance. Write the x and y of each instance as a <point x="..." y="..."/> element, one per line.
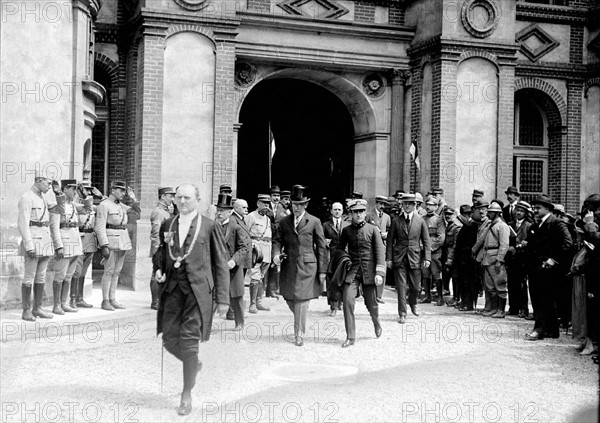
<point x="490" y="93"/>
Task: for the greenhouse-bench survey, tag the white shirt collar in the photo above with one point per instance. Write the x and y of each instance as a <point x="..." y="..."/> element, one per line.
<point x="188" y="218"/>
<point x="544" y="218"/>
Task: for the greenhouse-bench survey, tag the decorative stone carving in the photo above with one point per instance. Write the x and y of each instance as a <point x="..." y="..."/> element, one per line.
<point x="373" y="85"/>
<point x="401" y="76"/>
<point x="192" y="5"/>
<point x="317" y="9"/>
<point x="535" y="42"/>
<point x="245" y="74"/>
<point x="480" y="17"/>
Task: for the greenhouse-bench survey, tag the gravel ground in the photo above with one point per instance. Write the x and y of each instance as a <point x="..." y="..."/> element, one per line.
<point x="444" y="366"/>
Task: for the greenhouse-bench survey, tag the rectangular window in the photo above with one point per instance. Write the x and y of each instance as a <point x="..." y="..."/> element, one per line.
<point x="531" y="176"/>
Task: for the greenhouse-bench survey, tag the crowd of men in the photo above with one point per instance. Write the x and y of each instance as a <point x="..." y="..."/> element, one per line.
<point x="505" y="253"/>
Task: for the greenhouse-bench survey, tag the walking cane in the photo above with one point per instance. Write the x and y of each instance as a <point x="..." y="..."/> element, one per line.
<point x="162" y="361"/>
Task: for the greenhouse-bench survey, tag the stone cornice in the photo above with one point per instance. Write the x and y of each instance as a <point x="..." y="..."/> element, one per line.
<point x="299" y="23"/>
<point x="452" y="48"/>
<point x="92" y="6"/>
<point x="550" y="13"/>
<point x="93" y="90"/>
<point x="555" y="70"/>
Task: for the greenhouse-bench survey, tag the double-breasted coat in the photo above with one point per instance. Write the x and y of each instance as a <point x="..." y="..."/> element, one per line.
<point x="366" y="251"/>
<point x="408" y="240"/>
<point x="306" y="257"/>
<point x="206" y="267"/>
<point x="238" y="245"/>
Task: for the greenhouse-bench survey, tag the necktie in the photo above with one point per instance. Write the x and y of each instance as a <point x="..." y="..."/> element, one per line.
<point x="407" y="217"/>
<point x="296" y="221"/>
<point x="337" y="225"/>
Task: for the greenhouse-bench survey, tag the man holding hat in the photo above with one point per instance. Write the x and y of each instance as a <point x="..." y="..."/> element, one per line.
<point x="162" y="211"/>
<point x="517" y="261"/>
<point x="299" y="247"/>
<point x="367" y="270"/>
<point x="36" y="244"/>
<point x="408" y="233"/>
<point x="509" y="212"/>
<point x="112" y="216"/>
<point x="382" y="221"/>
<point x="548" y="245"/>
<point x="492" y="247"/>
<point x="261" y="231"/>
<point x="437" y="235"/>
<point x="237" y="241"/>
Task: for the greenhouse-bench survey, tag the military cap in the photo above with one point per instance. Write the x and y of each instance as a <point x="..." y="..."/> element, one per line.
<point x="480" y="205"/>
<point x="449" y="210"/>
<point x="544" y="200"/>
<point x="437" y="191"/>
<point x="357" y="195"/>
<point x="559" y="208"/>
<point x="285" y="193"/>
<point x="298" y="194"/>
<point x="525" y="206"/>
<point x="165" y="190"/>
<point x="357" y="204"/>
<point x="495" y="207"/>
<point x="409" y="198"/>
<point x="512" y="190"/>
<point x="499" y="201"/>
<point x="118" y="184"/>
<point x="64" y="183"/>
<point x="224" y="201"/>
<point x="399" y="193"/>
<point x="265" y="198"/>
<point x="381" y="199"/>
<point x="275" y="190"/>
<point x="41" y="174"/>
<point x="432" y="201"/>
<point x="418" y="197"/>
<point x="477" y="193"/>
<point x="225" y="188"/>
<point x="465" y="209"/>
<point x="86" y="183"/>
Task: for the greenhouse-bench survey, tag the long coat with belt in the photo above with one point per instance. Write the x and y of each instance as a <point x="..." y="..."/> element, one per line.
<point x="366" y="251"/>
<point x="206" y="267"/>
<point x="307" y="257"/>
<point x="408" y="240"/>
<point x="238" y="243"/>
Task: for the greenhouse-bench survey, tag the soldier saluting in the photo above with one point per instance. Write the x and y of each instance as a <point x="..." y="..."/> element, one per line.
<point x="111" y="229"/>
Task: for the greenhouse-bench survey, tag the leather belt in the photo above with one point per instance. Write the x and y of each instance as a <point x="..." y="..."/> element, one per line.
<point x="109" y="226"/>
<point x="86" y="230"/>
<point x="68" y="225"/>
<point x="39" y="224"/>
<point x="261" y="238"/>
<point x="491" y="248"/>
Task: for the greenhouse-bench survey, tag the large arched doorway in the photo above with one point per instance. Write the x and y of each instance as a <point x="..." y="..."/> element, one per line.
<point x="313" y="134"/>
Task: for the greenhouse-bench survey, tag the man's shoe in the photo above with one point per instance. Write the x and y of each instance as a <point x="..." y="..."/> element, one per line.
<point x="402" y="319"/>
<point x="380" y="301"/>
<point x="339" y="307"/>
<point x="68" y="309"/>
<point x="273" y="295"/>
<point x="487" y="313"/>
<point x="252" y="309"/>
<point x="554" y="335"/>
<point x="82" y="304"/>
<point x="299" y="341"/>
<point x="229" y="315"/>
<point x="332" y="313"/>
<point x="426" y="301"/>
<point x="185" y="408"/>
<point x="465" y="308"/>
<point x="262" y="307"/>
<point x="116" y="304"/>
<point x="451" y="303"/>
<point x="414" y="310"/>
<point x="530" y="317"/>
<point x="238" y="327"/>
<point x="348" y="343"/>
<point x="154" y="306"/>
<point x="439" y="302"/>
<point x="107" y="306"/>
<point x="378" y="331"/>
<point x="512" y="312"/>
<point x="534" y="336"/>
<point x="499" y="314"/>
<point x="73" y="303"/>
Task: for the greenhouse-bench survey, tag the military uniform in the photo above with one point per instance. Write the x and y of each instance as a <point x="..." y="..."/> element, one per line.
<point x="36" y="247"/>
<point x="64" y="226"/>
<point x="452" y="229"/>
<point x="437" y="235"/>
<point x="112" y="217"/>
<point x="261" y="233"/>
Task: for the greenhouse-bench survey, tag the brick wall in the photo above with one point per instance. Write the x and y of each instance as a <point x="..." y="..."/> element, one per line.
<point x="396" y="14"/>
<point x="415" y="120"/>
<point x="446" y="136"/>
<point x="364" y="11"/>
<point x="572" y="155"/>
<point x="259" y="5"/>
<point x="506" y="122"/>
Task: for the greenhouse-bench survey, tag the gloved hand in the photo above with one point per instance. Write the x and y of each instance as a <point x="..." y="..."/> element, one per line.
<point x="59" y="253"/>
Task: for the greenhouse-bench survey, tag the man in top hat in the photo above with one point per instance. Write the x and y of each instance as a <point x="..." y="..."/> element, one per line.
<point x="453" y="226"/>
<point x="261" y="232"/>
<point x="332" y="230"/>
<point x="367" y="270"/>
<point x="356" y="195"/>
<point x="466" y="265"/>
<point x="191" y="268"/>
<point x="299" y="247"/>
<point x="438" y="193"/>
<point x="237" y="240"/>
<point x="162" y="211"/>
<point x="211" y="211"/>
<point x="64" y="226"/>
<point x="509" y="212"/>
<point x="492" y="248"/>
<point x="477" y="196"/>
<point x="408" y="234"/>
<point x="382" y="221"/>
<point x="112" y="216"/>
<point x="548" y="245"/>
<point x="437" y="234"/>
<point x="89" y="243"/>
<point x="517" y="264"/>
<point x="36" y="244"/>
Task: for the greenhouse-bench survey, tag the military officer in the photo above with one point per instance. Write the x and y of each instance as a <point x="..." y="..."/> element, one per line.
<point x="453" y="226"/>
<point x="162" y="211"/>
<point x="261" y="232"/>
<point x="517" y="267"/>
<point x="112" y="216"/>
<point x="437" y="235"/>
<point x="438" y="193"/>
<point x="36" y="245"/>
<point x="89" y="243"/>
<point x="382" y="221"/>
<point x="64" y="226"/>
<point x="477" y="196"/>
<point x="480" y="217"/>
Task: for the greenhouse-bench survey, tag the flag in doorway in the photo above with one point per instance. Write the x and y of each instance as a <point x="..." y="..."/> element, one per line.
<point x="414" y="154"/>
<point x="271" y="143"/>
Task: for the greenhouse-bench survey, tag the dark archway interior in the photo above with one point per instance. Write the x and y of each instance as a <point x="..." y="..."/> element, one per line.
<point x="313" y="141"/>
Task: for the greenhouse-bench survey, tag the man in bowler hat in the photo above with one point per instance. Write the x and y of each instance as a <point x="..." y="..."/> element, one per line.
<point x="509" y="212"/>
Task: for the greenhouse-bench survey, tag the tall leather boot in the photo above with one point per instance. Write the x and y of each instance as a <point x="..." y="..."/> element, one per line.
<point x="26" y="298"/>
<point x="259" y="296"/>
<point x="439" y="286"/>
<point x="38" y="297"/>
<point x="64" y="296"/>
<point x="154" y="293"/>
<point x="80" y="302"/>
<point x="501" y="312"/>
<point x="427" y="287"/>
<point x="488" y="302"/>
<point x="57" y="292"/>
<point x="493" y="305"/>
<point x="73" y="293"/>
<point x="253" y="291"/>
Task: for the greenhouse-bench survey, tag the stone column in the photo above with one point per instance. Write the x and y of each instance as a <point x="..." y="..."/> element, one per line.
<point x="398" y="150"/>
<point x="371" y="164"/>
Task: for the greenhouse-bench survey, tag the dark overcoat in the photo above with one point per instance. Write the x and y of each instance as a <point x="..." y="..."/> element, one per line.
<point x="307" y="257"/>
<point x="247" y="259"/>
<point x="238" y="244"/>
<point x="206" y="267"/>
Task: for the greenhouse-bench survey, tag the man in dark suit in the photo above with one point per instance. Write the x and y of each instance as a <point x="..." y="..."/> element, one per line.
<point x="467" y="266"/>
<point x="383" y="222"/>
<point x="509" y="212"/>
<point x="240" y="211"/>
<point x="191" y="267"/>
<point x="407" y="234"/>
<point x="299" y="247"/>
<point x="332" y="230"/>
<point x="238" y="243"/>
<point x="548" y="244"/>
<point x="518" y="302"/>
<point x="367" y="270"/>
